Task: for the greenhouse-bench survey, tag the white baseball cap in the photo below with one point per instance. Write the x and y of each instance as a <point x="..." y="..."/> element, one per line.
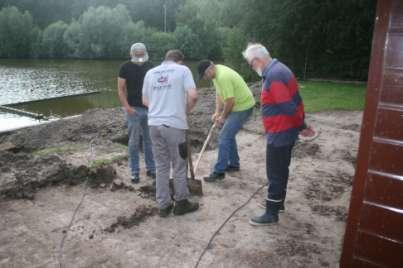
<point x="139" y="47"/>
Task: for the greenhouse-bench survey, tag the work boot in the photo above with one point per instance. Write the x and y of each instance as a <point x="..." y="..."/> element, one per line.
<point x="214" y="177"/>
<point x="185" y="206"/>
<point x="269" y="217"/>
<point x="136" y="178"/>
<point x="151" y="174"/>
<point x="232" y="169"/>
<point x="263" y="205"/>
<point x="164" y="212"/>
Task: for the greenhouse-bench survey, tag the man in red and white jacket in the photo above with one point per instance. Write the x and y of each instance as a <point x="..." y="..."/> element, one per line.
<point x="283" y="117"/>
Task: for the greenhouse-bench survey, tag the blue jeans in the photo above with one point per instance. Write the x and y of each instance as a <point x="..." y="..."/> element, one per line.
<point x="227" y="147"/>
<point x="138" y="126"/>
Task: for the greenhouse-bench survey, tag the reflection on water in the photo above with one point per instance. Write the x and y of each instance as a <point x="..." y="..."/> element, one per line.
<point x="12" y="121"/>
<point x="27" y="80"/>
<point x="73" y="105"/>
<point x="33" y="82"/>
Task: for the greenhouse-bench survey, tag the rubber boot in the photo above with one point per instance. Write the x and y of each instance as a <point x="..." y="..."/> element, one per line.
<point x="263" y="205"/>
<point x="269" y="217"/>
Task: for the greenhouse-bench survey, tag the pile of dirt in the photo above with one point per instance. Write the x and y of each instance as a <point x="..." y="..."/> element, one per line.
<point x="94" y="124"/>
<point x="22" y="174"/>
<point x="141" y="213"/>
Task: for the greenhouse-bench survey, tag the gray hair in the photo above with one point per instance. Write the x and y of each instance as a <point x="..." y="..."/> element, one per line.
<point x="256" y="51"/>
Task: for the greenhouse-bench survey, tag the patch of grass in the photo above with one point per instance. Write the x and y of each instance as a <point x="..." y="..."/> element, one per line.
<point x="107" y="161"/>
<point x="57" y="150"/>
<point x="327" y="96"/>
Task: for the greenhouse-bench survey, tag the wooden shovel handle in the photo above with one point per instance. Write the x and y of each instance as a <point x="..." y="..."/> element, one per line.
<point x="206" y="142"/>
<point x="190" y="161"/>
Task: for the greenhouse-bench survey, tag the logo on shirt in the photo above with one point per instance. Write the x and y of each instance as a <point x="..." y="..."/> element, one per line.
<point x="163" y="80"/>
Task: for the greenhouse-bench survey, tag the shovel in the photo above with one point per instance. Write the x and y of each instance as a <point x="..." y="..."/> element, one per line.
<point x="195" y="186"/>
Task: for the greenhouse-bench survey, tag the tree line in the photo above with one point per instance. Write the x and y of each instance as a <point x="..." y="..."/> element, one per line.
<point x="316" y="38"/>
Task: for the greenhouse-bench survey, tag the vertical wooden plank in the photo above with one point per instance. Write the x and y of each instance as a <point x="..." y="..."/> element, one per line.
<point x="372" y="99"/>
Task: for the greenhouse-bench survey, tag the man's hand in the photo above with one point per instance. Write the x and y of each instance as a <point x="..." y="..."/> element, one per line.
<point x="130" y="110"/>
<point x="220" y="120"/>
<point x="214" y="117"/>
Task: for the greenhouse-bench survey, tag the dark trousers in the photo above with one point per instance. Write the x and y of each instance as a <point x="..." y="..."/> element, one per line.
<point x="278" y="160"/>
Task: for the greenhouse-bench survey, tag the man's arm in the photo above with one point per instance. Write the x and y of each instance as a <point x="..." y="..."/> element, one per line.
<point x="144" y="91"/>
<point x="122" y="93"/>
<point x="145" y="101"/>
<point x="228" y="106"/>
<point x="192" y="97"/>
<point x="218" y="107"/>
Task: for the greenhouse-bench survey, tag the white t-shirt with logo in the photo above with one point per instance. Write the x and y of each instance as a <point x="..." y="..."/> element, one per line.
<point x="165" y="87"/>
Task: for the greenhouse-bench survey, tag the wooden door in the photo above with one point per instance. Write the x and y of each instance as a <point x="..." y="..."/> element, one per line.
<point x="374" y="233"/>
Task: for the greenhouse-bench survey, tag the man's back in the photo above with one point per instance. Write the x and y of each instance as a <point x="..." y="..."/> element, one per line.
<point x="229" y="83"/>
<point x="134" y="76"/>
<point x="165" y="88"/>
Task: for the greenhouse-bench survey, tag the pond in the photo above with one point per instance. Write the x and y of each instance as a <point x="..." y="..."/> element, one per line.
<point x="47" y="87"/>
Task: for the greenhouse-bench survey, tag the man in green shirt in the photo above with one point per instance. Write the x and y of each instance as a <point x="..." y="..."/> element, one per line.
<point x="234" y="106"/>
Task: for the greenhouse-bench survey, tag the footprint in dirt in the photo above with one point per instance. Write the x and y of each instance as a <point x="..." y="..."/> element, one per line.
<point x="307" y="149"/>
<point x="339" y="212"/>
<point x="352" y="127"/>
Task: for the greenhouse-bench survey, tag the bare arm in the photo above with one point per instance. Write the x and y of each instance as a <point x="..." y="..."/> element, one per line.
<point x="192" y="97"/>
<point x="228" y="106"/>
<point x="218" y="107"/>
<point x="122" y="93"/>
<point x="145" y="101"/>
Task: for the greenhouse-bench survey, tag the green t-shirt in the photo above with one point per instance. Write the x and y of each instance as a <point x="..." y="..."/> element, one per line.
<point x="229" y="84"/>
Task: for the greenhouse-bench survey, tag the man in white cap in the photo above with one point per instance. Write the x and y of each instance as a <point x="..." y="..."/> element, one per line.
<point x="130" y="84"/>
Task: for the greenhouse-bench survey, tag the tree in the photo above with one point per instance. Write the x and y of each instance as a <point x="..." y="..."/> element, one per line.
<point x="103" y="31"/>
<point x="159" y="43"/>
<point x="207" y="31"/>
<point x="71" y="38"/>
<point x="188" y="42"/>
<point x="53" y="43"/>
<point x="17" y="31"/>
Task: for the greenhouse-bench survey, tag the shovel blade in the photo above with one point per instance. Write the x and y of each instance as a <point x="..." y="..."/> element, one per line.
<point x="195" y="187"/>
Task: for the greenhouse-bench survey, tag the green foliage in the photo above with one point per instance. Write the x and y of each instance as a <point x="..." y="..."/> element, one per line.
<point x="72" y="37"/>
<point x="159" y="43"/>
<point x="188" y="42"/>
<point x="329" y="39"/>
<point x="316" y="38"/>
<point x="234" y="43"/>
<point x="17" y="33"/>
<point x="206" y="30"/>
<point x="53" y="44"/>
<point x="101" y="30"/>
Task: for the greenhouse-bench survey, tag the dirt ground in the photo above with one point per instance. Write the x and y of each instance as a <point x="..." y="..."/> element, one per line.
<point x="43" y="178"/>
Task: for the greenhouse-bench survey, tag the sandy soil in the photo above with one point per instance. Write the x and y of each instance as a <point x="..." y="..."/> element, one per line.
<point x="118" y="226"/>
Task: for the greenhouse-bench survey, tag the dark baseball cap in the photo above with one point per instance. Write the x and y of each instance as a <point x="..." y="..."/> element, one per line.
<point x="203" y="66"/>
